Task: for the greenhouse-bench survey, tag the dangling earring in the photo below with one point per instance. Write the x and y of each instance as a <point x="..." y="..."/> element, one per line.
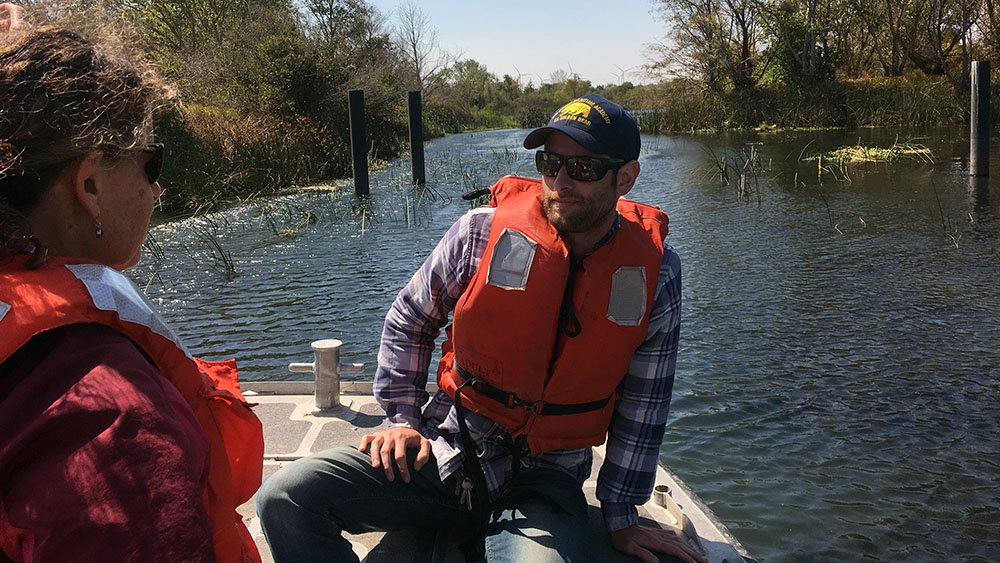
<point x="99" y="230"/>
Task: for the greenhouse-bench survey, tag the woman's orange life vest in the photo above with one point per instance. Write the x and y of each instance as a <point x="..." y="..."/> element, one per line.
<point x="69" y="291"/>
<point x="506" y="328"/>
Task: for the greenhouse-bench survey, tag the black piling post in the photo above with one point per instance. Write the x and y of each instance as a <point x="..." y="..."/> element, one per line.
<point x="359" y="141"/>
<point x="416" y="137"/>
<point x="979" y="193"/>
<point x="979" y="137"/>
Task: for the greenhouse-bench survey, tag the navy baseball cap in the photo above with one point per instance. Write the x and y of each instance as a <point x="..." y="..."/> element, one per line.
<point x="596" y="124"/>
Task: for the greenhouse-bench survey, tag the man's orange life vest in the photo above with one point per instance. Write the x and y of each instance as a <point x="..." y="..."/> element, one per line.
<point x="558" y="390"/>
<point x="65" y="292"/>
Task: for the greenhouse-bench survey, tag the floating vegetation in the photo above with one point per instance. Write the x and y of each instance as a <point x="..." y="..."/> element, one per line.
<point x="295" y="216"/>
<point x="837" y="162"/>
<point x="861" y="153"/>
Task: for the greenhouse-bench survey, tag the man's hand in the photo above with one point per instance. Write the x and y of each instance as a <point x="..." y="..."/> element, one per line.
<point x="642" y="541"/>
<point x="391" y="444"/>
<point x="13" y="18"/>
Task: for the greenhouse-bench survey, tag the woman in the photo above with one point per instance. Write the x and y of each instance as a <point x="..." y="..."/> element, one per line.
<point x="116" y="445"/>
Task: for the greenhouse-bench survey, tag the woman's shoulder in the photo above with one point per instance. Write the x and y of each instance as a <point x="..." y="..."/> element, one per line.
<point x="62" y="357"/>
<point x="93" y="423"/>
<point x="84" y="368"/>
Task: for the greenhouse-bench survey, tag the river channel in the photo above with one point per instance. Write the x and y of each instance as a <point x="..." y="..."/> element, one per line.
<point x="838" y="380"/>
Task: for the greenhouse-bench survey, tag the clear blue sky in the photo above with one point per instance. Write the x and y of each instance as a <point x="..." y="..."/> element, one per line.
<point x="541" y="36"/>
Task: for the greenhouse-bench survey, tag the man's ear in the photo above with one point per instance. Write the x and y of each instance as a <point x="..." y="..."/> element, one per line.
<point x="86" y="183"/>
<point x="626" y="177"/>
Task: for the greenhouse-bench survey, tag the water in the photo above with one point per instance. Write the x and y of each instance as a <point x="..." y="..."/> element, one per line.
<point x="839" y="373"/>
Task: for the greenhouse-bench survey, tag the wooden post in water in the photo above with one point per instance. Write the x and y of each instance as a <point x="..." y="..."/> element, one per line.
<point x="416" y="137"/>
<point x="359" y="141"/>
<point x="979" y="137"/>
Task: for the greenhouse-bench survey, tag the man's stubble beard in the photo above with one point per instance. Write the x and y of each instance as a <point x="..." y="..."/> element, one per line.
<point x="588" y="216"/>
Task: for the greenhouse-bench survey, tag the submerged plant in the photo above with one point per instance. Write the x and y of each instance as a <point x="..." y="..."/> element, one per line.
<point x="949" y="226"/>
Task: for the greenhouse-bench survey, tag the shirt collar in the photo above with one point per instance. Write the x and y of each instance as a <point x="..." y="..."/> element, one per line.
<point x="611" y="232"/>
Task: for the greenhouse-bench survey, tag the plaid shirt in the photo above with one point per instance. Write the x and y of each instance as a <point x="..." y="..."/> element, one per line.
<point x="636" y="429"/>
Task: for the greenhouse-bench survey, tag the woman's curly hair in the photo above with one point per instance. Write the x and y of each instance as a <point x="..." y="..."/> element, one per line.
<point x="62" y="97"/>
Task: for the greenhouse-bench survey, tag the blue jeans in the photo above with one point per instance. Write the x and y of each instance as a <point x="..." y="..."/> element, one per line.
<point x="305" y="507"/>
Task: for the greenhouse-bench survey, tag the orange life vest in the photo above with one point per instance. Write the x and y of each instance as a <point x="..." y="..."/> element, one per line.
<point x="65" y="292"/>
<point x="506" y="329"/>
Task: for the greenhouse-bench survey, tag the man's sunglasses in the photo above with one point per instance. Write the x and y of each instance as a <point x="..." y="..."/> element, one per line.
<point x="580" y="168"/>
<point x="154" y="165"/>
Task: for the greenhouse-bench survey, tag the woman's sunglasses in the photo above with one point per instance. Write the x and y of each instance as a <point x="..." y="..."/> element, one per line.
<point x="580" y="168"/>
<point x="154" y="165"/>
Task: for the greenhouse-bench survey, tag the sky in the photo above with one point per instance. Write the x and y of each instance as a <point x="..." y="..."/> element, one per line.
<point x="600" y="41"/>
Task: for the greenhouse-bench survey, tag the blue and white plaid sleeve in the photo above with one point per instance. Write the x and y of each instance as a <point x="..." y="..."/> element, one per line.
<point x="418" y="313"/>
<point x="636" y="430"/>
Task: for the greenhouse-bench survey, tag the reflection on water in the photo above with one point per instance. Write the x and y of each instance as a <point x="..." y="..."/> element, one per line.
<point x="839" y="373"/>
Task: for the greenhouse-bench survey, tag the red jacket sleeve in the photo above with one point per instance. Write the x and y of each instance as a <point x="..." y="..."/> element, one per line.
<point x="100" y="458"/>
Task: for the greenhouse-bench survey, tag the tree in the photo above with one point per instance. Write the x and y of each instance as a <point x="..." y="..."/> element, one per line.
<point x="850" y="46"/>
<point x="470" y="83"/>
<point x="190" y="26"/>
<point x="894" y="26"/>
<point x="355" y="21"/>
<point x="799" y="33"/>
<point x="573" y="88"/>
<point x="417" y="44"/>
<point x="989" y="25"/>
<point x="716" y="41"/>
<point x="948" y="27"/>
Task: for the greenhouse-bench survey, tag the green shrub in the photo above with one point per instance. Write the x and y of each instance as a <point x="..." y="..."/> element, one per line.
<point x="215" y="155"/>
<point x="686" y="105"/>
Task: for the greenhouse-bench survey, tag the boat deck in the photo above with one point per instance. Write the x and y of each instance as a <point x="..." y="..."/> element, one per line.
<point x="294" y="427"/>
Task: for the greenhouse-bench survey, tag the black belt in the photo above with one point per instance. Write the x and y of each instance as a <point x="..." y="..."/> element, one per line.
<point x="511" y="400"/>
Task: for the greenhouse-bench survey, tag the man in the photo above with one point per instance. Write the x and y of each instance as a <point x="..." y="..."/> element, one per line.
<point x="566" y="319"/>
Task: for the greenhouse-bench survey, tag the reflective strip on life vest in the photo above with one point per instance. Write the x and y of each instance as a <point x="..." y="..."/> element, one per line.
<point x="112" y="291"/>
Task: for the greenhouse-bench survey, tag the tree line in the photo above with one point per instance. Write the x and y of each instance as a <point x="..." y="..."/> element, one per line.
<point x="262" y="84"/>
<point x="739" y="44"/>
<point x="821" y="62"/>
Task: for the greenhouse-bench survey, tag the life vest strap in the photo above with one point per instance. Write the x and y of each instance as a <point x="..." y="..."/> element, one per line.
<point x="511" y="400"/>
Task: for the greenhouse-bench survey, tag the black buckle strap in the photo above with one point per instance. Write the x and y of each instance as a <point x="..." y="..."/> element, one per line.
<point x="470" y="465"/>
<point x="537" y="408"/>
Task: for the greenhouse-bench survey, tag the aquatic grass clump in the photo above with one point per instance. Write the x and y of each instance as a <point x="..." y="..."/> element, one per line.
<point x="837" y="162"/>
<point x="464" y="173"/>
<point x="861" y="153"/>
<point x="208" y="230"/>
<point x="741" y="168"/>
<point x="289" y="220"/>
